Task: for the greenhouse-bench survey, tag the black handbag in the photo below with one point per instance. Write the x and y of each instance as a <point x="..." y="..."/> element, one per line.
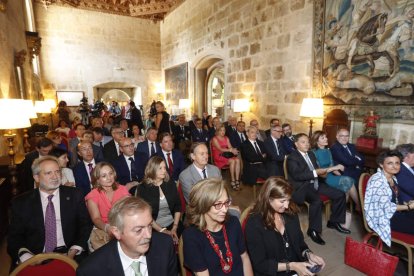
<point x="227" y="154"/>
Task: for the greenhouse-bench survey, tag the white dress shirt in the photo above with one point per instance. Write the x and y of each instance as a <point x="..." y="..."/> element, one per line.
<point x="200" y="171"/>
<point x="127" y="261"/>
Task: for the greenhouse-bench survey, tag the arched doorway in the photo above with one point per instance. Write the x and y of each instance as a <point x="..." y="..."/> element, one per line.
<point x="115" y="95"/>
<point x="120" y="92"/>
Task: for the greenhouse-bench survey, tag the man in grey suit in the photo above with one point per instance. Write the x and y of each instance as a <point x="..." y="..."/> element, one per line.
<point x="198" y="170"/>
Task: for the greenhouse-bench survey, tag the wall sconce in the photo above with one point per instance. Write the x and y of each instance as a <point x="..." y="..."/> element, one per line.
<point x="11" y="119"/>
<point x="184" y="104"/>
<point x="311" y="108"/>
<point x="241" y="105"/>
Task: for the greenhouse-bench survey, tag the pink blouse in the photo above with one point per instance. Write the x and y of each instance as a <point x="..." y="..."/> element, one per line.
<point x="104" y="205"/>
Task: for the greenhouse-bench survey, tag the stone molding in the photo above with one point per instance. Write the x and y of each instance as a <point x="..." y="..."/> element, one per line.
<point x="33" y="44"/>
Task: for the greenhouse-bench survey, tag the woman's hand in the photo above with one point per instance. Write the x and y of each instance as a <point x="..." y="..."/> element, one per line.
<point x="301" y="268"/>
<point x="336" y="173"/>
<point x="315" y="260"/>
<point x="174" y="234"/>
<point x="234" y="151"/>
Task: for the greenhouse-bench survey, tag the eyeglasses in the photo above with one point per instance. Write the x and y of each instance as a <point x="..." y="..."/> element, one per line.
<point x="220" y="205"/>
<point x="344" y="136"/>
<point x="128" y="146"/>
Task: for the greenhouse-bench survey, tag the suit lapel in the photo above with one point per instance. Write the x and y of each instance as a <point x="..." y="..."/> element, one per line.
<point x="38" y="213"/>
<point x="65" y="206"/>
<point x="194" y="172"/>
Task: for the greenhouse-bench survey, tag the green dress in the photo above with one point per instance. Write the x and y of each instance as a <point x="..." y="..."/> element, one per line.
<point x="340" y="182"/>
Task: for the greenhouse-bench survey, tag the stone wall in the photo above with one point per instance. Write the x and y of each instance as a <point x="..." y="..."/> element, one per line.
<point x="82" y="49"/>
<point x="266" y="46"/>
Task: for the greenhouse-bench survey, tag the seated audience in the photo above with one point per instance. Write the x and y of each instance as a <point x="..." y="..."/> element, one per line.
<point x="83" y="169"/>
<point x="239" y="136"/>
<point x="99" y="139"/>
<point x="160" y="191"/>
<point x="136" y="249"/>
<point x="136" y="135"/>
<point x="405" y="176"/>
<point x="130" y="165"/>
<point x="67" y="174"/>
<point x="123" y="124"/>
<point x="275" y="152"/>
<point x="303" y="172"/>
<point x="57" y="140"/>
<point x="52" y="218"/>
<point x="261" y="135"/>
<point x="273" y="122"/>
<point x="214" y="244"/>
<point x="209" y="123"/>
<point x="63" y="128"/>
<point x="104" y="195"/>
<point x="230" y="125"/>
<point x="224" y="154"/>
<point x="216" y="124"/>
<point x="26" y="183"/>
<point x="97" y="150"/>
<point x="383" y="211"/>
<point x="273" y="235"/>
<point x="76" y="120"/>
<point x="111" y="149"/>
<point x="172" y="157"/>
<point x="198" y="170"/>
<point x="150" y="146"/>
<point x="182" y="136"/>
<point x="97" y="122"/>
<point x="199" y="134"/>
<point x="288" y="140"/>
<point x="254" y="155"/>
<point x="333" y="178"/>
<point x="346" y="154"/>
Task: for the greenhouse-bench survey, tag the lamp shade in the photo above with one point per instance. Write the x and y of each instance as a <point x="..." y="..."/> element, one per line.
<point x="29" y="108"/>
<point x="12" y="116"/>
<point x="241" y="105"/>
<point x="42" y="107"/>
<point x="184" y="103"/>
<point x="312" y="107"/>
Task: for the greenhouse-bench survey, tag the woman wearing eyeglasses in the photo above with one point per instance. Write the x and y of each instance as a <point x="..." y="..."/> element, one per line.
<point x="274" y="237"/>
<point x="214" y="244"/>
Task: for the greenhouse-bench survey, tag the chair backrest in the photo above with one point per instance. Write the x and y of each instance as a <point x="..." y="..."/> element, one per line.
<point x="362" y="187"/>
<point x="244" y="216"/>
<point x="285" y="170"/>
<point x="59" y="265"/>
<point x="181" y="195"/>
<point x="184" y="270"/>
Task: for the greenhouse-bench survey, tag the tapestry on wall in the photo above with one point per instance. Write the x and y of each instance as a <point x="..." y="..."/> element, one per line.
<point x="364" y="52"/>
<point x="176" y="84"/>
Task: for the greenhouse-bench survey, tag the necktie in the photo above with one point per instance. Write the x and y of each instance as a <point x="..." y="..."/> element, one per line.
<point x="152" y="149"/>
<point x="241" y="137"/>
<point x="234" y="129"/>
<point x="90" y="168"/>
<point x="200" y="131"/>
<point x="257" y="149"/>
<point x="277" y="147"/>
<point x="182" y="129"/>
<point x="311" y="167"/>
<point x="50" y="226"/>
<point x="170" y="164"/>
<point x="204" y="174"/>
<point x="133" y="169"/>
<point x="347" y="149"/>
<point x="101" y="145"/>
<point x="135" y="268"/>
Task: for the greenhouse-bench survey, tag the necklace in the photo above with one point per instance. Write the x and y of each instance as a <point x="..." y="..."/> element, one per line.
<point x="285" y="240"/>
<point x="226" y="265"/>
<point x="394" y="188"/>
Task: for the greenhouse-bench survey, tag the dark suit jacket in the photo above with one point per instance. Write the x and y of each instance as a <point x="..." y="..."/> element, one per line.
<point x="196" y="136"/>
<point x="26" y="180"/>
<point x="274" y="161"/>
<point x="299" y="173"/>
<point x="81" y="178"/>
<point x="161" y="259"/>
<point x="288" y="144"/>
<point x="267" y="132"/>
<point x="353" y="166"/>
<point x="151" y="194"/>
<point x="109" y="151"/>
<point x="405" y="184"/>
<point x="229" y="130"/>
<point x="252" y="171"/>
<point x="123" y="175"/>
<point x="264" y="248"/>
<point x="179" y="135"/>
<point x="178" y="163"/>
<point x="27" y="224"/>
<point x="143" y="147"/>
<point x="235" y="140"/>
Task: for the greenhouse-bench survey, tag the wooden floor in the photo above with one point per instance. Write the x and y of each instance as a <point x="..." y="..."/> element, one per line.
<point x="332" y="252"/>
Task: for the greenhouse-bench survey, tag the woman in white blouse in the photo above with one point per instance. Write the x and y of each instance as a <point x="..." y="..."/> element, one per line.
<point x="67" y="174"/>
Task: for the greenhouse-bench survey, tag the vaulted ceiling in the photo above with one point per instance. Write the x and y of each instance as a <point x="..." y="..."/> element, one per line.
<point x="149" y="9"/>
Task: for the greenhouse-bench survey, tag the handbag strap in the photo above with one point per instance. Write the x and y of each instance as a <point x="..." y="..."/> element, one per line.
<point x="368" y="236"/>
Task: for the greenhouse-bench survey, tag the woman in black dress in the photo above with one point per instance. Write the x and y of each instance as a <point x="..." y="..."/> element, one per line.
<point x="273" y="235"/>
<point x="162" y="120"/>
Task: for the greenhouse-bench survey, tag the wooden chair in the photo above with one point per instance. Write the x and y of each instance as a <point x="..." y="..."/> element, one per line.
<point x="259" y="181"/>
<point x="59" y="265"/>
<point x="403" y="239"/>
<point x="184" y="270"/>
<point x="245" y="216"/>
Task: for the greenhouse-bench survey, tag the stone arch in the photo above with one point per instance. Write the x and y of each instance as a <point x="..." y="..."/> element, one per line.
<point x="119" y="91"/>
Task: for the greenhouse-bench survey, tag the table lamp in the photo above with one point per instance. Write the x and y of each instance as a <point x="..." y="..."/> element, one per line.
<point x="311" y="108"/>
<point x="241" y="105"/>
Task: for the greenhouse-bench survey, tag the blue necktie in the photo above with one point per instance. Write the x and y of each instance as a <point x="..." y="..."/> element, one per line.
<point x="152" y="149"/>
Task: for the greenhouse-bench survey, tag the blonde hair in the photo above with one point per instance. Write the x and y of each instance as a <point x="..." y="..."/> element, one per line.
<point x="96" y="174"/>
<point x="202" y="197"/>
<point x="150" y="173"/>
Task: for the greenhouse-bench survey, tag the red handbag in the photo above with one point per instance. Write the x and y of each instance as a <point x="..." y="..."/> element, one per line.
<point x="369" y="259"/>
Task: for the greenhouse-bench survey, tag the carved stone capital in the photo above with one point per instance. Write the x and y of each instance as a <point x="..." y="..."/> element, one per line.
<point x="20" y="58"/>
<point x="3" y="4"/>
<point x="33" y="44"/>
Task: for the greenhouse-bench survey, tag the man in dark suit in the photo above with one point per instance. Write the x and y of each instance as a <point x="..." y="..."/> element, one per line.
<point x="261" y="134"/>
<point x="136" y="249"/>
<point x="135" y="116"/>
<point x="288" y="140"/>
<point x="275" y="152"/>
<point x="83" y="169"/>
<point x="172" y="157"/>
<point x="111" y="149"/>
<point x="254" y="155"/>
<point x="150" y="146"/>
<point x="239" y="136"/>
<point x="130" y="165"/>
<point x="26" y="182"/>
<point x="273" y="122"/>
<point x="123" y="124"/>
<point x="345" y="153"/>
<point x="231" y="125"/>
<point x="73" y="143"/>
<point x="50" y="218"/>
<point x="406" y="175"/>
<point x="182" y="136"/>
<point x="303" y="173"/>
<point x="199" y="134"/>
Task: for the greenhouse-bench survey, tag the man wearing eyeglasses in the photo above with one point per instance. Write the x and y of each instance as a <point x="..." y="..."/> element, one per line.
<point x="346" y="154"/>
<point x="275" y="152"/>
<point x="111" y="149"/>
<point x="130" y="165"/>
